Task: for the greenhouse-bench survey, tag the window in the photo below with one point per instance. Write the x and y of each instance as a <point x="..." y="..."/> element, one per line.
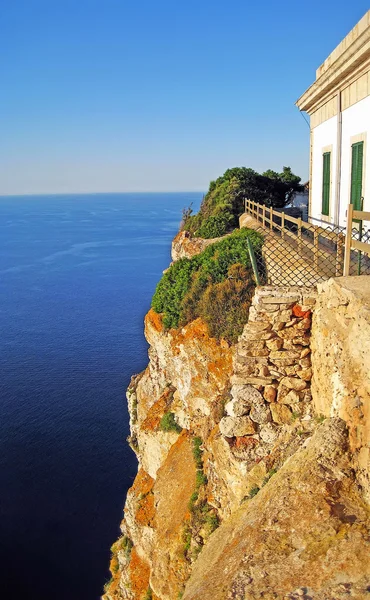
<point x="325" y="183"/>
<point x="356" y="174"/>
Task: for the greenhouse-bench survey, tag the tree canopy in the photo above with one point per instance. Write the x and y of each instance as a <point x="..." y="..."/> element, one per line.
<point x="224" y="201"/>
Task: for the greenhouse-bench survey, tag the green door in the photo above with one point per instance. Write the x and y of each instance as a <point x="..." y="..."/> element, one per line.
<point x="325" y="183"/>
<point x="356" y="174"/>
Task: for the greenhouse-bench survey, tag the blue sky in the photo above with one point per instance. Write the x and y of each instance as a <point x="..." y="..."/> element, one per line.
<point x="116" y="95"/>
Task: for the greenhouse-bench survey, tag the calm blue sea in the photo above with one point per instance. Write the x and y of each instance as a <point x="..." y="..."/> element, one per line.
<point x="76" y="277"/>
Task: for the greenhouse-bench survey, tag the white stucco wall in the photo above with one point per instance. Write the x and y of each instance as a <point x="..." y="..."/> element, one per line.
<point x="355" y="122"/>
<point x="323" y="135"/>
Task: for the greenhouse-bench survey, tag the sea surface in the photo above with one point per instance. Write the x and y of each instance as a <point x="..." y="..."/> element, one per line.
<point x="76" y="277"/>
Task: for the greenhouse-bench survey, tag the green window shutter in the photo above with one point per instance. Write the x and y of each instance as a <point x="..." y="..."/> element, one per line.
<point x="325" y="183"/>
<point x="356" y="174"/>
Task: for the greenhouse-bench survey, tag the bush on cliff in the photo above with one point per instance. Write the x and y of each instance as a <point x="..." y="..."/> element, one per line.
<point x="224" y="201"/>
<point x="216" y="225"/>
<point x="168" y="423"/>
<point x="224" y="306"/>
<point x="190" y="287"/>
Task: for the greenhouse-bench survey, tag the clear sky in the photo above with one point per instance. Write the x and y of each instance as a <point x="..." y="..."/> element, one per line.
<point x="156" y="95"/>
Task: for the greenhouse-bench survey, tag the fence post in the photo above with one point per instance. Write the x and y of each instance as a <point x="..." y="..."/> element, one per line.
<point x="282" y="224"/>
<point x="347" y="245"/>
<point x="316" y="249"/>
<point x="264" y="215"/>
<point x="359" y="253"/>
<point x="252" y="257"/>
<point x="299" y="235"/>
<point x="271" y="218"/>
<point x="340" y="255"/>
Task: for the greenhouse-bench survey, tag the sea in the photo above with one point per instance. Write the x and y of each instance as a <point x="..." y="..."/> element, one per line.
<point x="77" y="273"/>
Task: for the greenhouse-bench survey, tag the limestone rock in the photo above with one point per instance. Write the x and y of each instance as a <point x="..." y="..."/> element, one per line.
<point x="280" y="413"/>
<point x="268" y="433"/>
<point x="275" y="344"/>
<point x="286" y="396"/>
<point x="238" y="408"/>
<point x="185" y="246"/>
<point x="236" y="426"/>
<point x="307" y="527"/>
<point x="293" y="383"/>
<point x="285" y="354"/>
<point x="270" y="393"/>
<point x="304" y="324"/>
<point x="260" y="413"/>
<point x="305" y="374"/>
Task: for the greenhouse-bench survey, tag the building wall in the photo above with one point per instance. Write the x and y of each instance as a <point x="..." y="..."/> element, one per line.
<point x="355" y="121"/>
<point x="355" y="127"/>
<point x="324" y="139"/>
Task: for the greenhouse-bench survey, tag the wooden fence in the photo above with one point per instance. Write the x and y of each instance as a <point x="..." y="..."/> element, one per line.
<point x="326" y="245"/>
<point x="357" y="217"/>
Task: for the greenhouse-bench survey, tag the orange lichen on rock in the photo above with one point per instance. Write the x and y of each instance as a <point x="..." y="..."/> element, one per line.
<point x="298" y="312"/>
<point x="146" y="511"/>
<point x="153" y="319"/>
<point x="221" y="364"/>
<point x="139" y="575"/>
<point x="143" y="483"/>
<point x="172" y="490"/>
<point x="156" y="412"/>
<point x="195" y="329"/>
<point x="245" y="442"/>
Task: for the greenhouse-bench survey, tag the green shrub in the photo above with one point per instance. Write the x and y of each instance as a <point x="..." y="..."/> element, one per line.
<point x="269" y="475"/>
<point x="193" y="499"/>
<point x="200" y="479"/>
<point x="216" y="225"/>
<point x="319" y="418"/>
<point x="180" y="292"/>
<point x="197" y="452"/>
<point x="171" y="290"/>
<point x="212" y="521"/>
<point x="253" y="491"/>
<point x="224" y="306"/>
<point x="127" y="545"/>
<point x="108" y="584"/>
<point x="168" y="423"/>
<point x="186" y="538"/>
<point x="148" y="594"/>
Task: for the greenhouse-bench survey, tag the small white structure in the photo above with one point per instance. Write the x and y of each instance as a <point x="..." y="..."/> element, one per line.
<point x="338" y="103"/>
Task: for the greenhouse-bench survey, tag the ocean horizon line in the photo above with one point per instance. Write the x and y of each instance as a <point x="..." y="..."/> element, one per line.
<point x="63" y="194"/>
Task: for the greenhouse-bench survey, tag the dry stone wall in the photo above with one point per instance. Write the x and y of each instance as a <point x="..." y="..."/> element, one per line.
<point x="272" y="367"/>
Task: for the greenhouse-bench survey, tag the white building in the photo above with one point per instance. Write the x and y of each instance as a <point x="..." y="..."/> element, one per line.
<point x="338" y="103"/>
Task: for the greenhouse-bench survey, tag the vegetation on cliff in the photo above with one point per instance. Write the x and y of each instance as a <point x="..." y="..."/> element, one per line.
<point x="215" y="285"/>
<point x="224" y="201"/>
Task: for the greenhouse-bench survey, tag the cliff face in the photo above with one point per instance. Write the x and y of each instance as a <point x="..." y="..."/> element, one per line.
<point x="243" y="490"/>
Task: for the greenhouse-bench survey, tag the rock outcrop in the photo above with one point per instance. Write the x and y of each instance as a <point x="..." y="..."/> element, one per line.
<point x="304" y="535"/>
<point x="341" y="348"/>
<point x="244" y="489"/>
<point x="185" y="246"/>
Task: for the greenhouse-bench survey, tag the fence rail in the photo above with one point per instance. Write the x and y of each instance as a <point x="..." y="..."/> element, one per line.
<point x="353" y="244"/>
<point x="323" y="251"/>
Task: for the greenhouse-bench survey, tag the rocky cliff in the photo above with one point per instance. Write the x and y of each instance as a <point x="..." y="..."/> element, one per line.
<point x="244" y="490"/>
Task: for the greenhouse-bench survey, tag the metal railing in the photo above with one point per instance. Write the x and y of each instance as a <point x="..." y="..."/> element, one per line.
<point x="311" y="253"/>
<point x="358" y="246"/>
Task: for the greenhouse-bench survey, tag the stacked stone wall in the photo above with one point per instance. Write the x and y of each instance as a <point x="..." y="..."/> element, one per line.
<point x="271" y="381"/>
